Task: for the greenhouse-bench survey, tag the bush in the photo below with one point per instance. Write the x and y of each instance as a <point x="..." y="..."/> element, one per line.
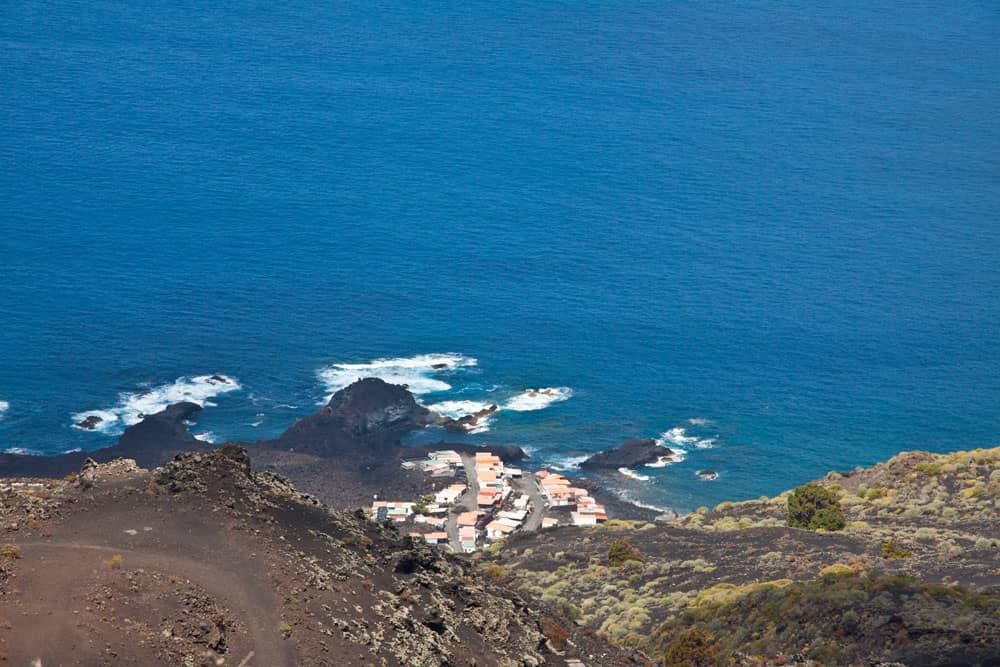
<point x="555" y="633"/>
<point x="115" y="562"/>
<point x="10" y="551"/>
<point x="892" y="550"/>
<point x="694" y="647"/>
<point x="620" y="552"/>
<point x="494" y="571"/>
<point x="815" y="507"/>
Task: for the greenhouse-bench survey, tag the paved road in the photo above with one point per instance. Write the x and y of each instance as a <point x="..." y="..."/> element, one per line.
<point x="467" y="502"/>
<point x="527" y="485"/>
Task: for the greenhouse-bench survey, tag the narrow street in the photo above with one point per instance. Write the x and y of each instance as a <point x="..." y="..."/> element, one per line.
<point x="467" y="502"/>
<point x="528" y="486"/>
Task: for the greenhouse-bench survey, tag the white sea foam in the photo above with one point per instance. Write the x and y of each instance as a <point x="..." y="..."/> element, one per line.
<point x="700" y="421"/>
<point x="73" y="451"/>
<point x="567" y="462"/>
<point x="458" y="409"/>
<point x="132" y="407"/>
<point x="633" y="474"/>
<point x="417" y="373"/>
<point x="537" y="399"/>
<point x="23" y="451"/>
<point x="677" y="436"/>
<point x="705" y="443"/>
<point x="4" y="407"/>
<point x="629" y="498"/>
<point x="206" y="436"/>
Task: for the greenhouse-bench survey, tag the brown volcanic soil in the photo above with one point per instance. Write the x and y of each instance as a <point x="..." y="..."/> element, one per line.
<point x="204" y="562"/>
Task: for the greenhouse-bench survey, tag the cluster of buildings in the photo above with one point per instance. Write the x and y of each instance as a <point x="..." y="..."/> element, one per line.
<point x="559" y="492"/>
<point x="497" y="512"/>
<point x="444" y="463"/>
<point x="493" y="476"/>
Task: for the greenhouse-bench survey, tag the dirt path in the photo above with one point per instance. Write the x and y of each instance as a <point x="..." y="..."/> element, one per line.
<point x="238" y="589"/>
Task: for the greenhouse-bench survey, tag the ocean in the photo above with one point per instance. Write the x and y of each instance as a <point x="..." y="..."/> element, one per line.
<point x="766" y="232"/>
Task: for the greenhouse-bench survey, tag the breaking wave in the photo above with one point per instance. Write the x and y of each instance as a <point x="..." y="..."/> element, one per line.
<point x="23" y="451"/>
<point x="4" y="407"/>
<point x="132" y="407"/>
<point x="634" y="475"/>
<point x="537" y="399"/>
<point x="566" y="462"/>
<point x="678" y="438"/>
<point x="459" y="409"/>
<point x="418" y="373"/>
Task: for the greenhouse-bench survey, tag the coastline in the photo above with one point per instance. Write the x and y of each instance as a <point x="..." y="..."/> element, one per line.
<point x="333" y="454"/>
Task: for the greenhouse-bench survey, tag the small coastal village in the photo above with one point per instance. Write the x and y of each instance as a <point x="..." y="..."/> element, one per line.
<point x="493" y="502"/>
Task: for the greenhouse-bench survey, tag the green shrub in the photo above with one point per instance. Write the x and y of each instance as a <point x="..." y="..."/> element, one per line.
<point x="694" y="647"/>
<point x="815" y="507"/>
<point x="892" y="550"/>
<point x="620" y="552"/>
<point x="928" y="467"/>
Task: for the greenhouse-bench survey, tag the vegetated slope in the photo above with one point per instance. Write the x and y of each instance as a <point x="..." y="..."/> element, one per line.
<point x="205" y="562"/>
<point x="913" y="577"/>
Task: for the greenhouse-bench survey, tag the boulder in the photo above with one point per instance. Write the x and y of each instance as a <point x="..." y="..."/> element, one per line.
<point x="90" y="423"/>
<point x="630" y="454"/>
<point x="468" y="422"/>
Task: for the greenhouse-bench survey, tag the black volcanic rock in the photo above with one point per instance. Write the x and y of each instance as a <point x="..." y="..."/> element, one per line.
<point x="468" y="422"/>
<point x="152" y="442"/>
<point x="370" y="415"/>
<point x="629" y="454"/>
<point x="90" y="423"/>
<point x="162" y="431"/>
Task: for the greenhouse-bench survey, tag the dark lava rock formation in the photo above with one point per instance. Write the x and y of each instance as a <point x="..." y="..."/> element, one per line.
<point x="369" y="415"/>
<point x="468" y="422"/>
<point x="629" y="454"/>
<point x="345" y="453"/>
<point x="90" y="423"/>
<point x="163" y="431"/>
<point x="151" y="442"/>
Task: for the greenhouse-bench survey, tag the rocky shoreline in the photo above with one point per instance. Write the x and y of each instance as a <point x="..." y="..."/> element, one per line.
<point x="345" y="453"/>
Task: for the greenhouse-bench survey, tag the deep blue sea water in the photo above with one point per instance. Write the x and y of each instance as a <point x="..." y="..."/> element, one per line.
<point x="778" y="217"/>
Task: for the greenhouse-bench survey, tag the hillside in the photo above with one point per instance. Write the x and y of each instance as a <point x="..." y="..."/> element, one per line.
<point x="206" y="562"/>
<point x="913" y="577"/>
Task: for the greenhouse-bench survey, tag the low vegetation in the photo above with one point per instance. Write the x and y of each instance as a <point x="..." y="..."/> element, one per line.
<point x="870" y="579"/>
<point x="621" y="552"/>
<point x="815" y="507"/>
<point x="693" y="647"/>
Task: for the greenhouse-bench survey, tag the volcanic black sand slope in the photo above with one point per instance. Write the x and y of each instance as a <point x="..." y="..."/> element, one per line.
<point x="205" y="562"/>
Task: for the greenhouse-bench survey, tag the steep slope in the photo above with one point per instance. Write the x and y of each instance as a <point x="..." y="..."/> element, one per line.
<point x="913" y="577"/>
<point x="206" y="562"/>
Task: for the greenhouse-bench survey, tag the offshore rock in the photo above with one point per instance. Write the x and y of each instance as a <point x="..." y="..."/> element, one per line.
<point x="629" y="454"/>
